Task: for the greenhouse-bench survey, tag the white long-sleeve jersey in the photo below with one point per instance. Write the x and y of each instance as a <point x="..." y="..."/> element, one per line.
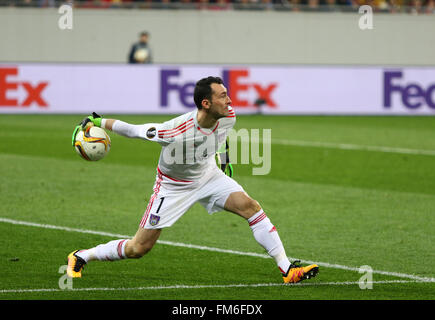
<point x="188" y="151"/>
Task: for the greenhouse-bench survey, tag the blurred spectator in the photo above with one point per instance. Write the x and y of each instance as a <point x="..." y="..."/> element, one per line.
<point x="224" y="4"/>
<point x="329" y="5"/>
<point x="269" y="4"/>
<point x="183" y="4"/>
<point x="416" y="7"/>
<point x="203" y="4"/>
<point x="296" y="5"/>
<point x="429" y="7"/>
<point x="313" y="5"/>
<point x="242" y="4"/>
<point x="344" y="5"/>
<point x="46" y="3"/>
<point x="140" y="51"/>
<point x="217" y="4"/>
<point x="395" y="5"/>
<point x="379" y="5"/>
<point x="165" y="4"/>
<point x="27" y="2"/>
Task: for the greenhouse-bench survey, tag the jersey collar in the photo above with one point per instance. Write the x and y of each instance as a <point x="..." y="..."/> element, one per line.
<point x="205" y="131"/>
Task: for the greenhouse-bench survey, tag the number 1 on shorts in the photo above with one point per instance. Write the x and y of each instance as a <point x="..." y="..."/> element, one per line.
<point x="161" y="202"/>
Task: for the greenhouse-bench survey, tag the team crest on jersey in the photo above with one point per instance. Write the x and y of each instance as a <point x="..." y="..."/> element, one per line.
<point x="154" y="219"/>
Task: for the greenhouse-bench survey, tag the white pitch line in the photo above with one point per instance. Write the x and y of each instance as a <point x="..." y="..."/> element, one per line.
<point x="257" y="285"/>
<point x="346" y="146"/>
<point x="192" y="246"/>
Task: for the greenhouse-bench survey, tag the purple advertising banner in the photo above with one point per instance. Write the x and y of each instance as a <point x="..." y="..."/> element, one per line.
<point x="159" y="89"/>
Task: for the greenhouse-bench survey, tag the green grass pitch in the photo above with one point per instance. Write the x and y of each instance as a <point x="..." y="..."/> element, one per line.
<point x="344" y="208"/>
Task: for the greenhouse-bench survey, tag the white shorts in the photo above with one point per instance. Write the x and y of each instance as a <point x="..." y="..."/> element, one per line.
<point x="172" y="198"/>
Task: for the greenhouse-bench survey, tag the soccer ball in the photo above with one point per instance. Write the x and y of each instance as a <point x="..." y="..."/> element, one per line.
<point x="92" y="144"/>
<point x="141" y="54"/>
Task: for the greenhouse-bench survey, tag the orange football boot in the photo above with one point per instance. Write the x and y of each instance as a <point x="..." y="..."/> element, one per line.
<point x="75" y="265"/>
<point x="297" y="273"/>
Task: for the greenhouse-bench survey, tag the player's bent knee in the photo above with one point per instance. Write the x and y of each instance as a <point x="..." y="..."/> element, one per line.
<point x="137" y="251"/>
<point x="242" y="204"/>
<point x="250" y="207"/>
<point x="253" y="207"/>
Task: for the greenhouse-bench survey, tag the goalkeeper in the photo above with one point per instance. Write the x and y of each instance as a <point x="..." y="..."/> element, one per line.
<point x="187" y="173"/>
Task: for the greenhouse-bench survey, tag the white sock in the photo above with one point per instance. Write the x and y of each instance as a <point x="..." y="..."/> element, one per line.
<point x="111" y="251"/>
<point x="266" y="235"/>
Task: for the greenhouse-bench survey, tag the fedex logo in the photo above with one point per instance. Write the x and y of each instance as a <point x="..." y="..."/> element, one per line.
<point x="168" y="83"/>
<point x="33" y="92"/>
<point x="237" y="82"/>
<point x="236" y="87"/>
<point x="413" y="95"/>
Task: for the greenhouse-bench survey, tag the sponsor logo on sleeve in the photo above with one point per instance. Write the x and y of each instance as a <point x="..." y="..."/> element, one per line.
<point x="151" y="133"/>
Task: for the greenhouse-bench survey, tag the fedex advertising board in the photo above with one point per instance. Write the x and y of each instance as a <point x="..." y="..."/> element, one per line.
<point x="157" y="89"/>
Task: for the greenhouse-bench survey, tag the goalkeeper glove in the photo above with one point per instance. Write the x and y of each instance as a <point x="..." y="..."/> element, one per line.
<point x="228" y="170"/>
<point x="94" y="119"/>
<point x="224" y="161"/>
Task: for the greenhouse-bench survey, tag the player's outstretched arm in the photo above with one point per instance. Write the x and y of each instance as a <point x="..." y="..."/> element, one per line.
<point x="117" y="126"/>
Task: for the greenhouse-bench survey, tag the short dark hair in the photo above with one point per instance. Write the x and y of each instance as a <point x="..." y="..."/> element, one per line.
<point x="203" y="89"/>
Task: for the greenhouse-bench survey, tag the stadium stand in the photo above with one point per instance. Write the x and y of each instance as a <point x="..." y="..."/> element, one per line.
<point x="384" y="6"/>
